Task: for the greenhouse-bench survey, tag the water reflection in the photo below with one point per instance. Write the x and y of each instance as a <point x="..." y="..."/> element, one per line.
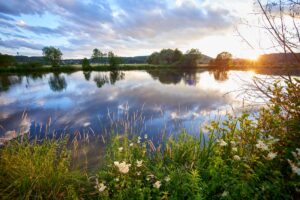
<point x="170" y="76"/>
<point x="57" y="82"/>
<point x="219" y="74"/>
<point x="161" y="100"/>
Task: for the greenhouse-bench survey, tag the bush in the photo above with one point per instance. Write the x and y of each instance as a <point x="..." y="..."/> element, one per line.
<point x="85" y="63"/>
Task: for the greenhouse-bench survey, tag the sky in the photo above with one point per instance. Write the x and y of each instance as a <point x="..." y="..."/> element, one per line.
<point x="128" y="27"/>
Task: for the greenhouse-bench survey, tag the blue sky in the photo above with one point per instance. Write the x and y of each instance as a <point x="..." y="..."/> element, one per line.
<point x="127" y="27"/>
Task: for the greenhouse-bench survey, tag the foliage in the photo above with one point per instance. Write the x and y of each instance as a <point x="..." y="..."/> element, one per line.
<point x="165" y="56"/>
<point x="191" y="58"/>
<point x="30" y="64"/>
<point x="53" y="55"/>
<point x="30" y="170"/>
<point x="223" y="59"/>
<point x="175" y="57"/>
<point x="97" y="55"/>
<point x="114" y="61"/>
<point x="7" y="60"/>
<point x="85" y="63"/>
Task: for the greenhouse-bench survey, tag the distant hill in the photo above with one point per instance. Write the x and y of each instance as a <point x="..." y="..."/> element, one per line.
<point x="279" y="59"/>
<point x="205" y="59"/>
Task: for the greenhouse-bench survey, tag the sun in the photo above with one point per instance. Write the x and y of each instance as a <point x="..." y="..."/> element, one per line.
<point x="253" y="56"/>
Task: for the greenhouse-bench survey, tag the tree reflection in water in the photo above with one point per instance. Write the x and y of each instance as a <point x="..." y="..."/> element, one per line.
<point x="112" y="78"/>
<point x="57" y="82"/>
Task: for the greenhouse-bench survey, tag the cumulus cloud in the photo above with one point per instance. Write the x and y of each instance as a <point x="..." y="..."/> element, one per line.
<point x="124" y="26"/>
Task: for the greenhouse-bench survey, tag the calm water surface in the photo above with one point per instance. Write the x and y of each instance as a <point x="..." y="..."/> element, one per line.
<point x="152" y="102"/>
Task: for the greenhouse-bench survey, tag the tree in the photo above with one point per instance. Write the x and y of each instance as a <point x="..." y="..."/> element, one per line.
<point x="114" y="61"/>
<point x="153" y="58"/>
<point x="223" y="59"/>
<point x="191" y="58"/>
<point x="85" y="63"/>
<point x="281" y="21"/>
<point x="7" y="60"/>
<point x="177" y="55"/>
<point x="97" y="55"/>
<point x="53" y="55"/>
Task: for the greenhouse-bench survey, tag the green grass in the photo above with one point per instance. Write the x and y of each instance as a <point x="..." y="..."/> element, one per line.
<point x="73" y="68"/>
<point x="242" y="157"/>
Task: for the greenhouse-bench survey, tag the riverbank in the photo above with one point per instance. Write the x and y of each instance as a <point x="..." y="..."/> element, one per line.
<point x="240" y="158"/>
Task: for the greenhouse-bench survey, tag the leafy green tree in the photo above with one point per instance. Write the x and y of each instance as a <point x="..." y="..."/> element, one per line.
<point x="97" y="55"/>
<point x="7" y="60"/>
<point x="223" y="59"/>
<point x="53" y="55"/>
<point x="85" y="63"/>
<point x="153" y="58"/>
<point x="177" y="55"/>
<point x="114" y="61"/>
<point x="191" y="58"/>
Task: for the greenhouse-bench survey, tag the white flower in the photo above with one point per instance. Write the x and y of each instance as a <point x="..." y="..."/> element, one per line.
<point x="123" y="167"/>
<point x="167" y="179"/>
<point x="232" y="143"/>
<point x="117" y="179"/>
<point x="222" y="143"/>
<point x="131" y="144"/>
<point x="139" y="163"/>
<point x="151" y="176"/>
<point x="224" y="194"/>
<point x="234" y="149"/>
<point x="120" y="149"/>
<point x="298" y="151"/>
<point x="138" y="173"/>
<point x="236" y="157"/>
<point x="145" y="136"/>
<point x="271" y="156"/>
<point x="101" y="187"/>
<point x="295" y="169"/>
<point x="139" y="140"/>
<point x="157" y="184"/>
<point x="261" y="145"/>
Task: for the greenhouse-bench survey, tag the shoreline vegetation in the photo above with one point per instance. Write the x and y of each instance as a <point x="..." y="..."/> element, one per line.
<point x="243" y="157"/>
<point x="165" y="59"/>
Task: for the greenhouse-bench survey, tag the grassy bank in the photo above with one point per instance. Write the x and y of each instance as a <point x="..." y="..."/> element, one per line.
<point x="244" y="157"/>
<point x="74" y="68"/>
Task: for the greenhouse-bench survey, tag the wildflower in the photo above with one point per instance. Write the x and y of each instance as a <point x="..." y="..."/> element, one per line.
<point x="117" y="179"/>
<point x="157" y="184"/>
<point x="139" y="140"/>
<point x="232" y="143"/>
<point x="261" y="145"/>
<point x="236" y="157"/>
<point x="234" y="149"/>
<point x="295" y="169"/>
<point x="298" y="151"/>
<point x="101" y="187"/>
<point x="222" y="143"/>
<point x="138" y="173"/>
<point x="120" y="149"/>
<point x="146" y="136"/>
<point x="224" y="194"/>
<point x="167" y="179"/>
<point x="151" y="176"/>
<point x="139" y="163"/>
<point x="123" y="167"/>
<point x="271" y="156"/>
<point x="131" y="144"/>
